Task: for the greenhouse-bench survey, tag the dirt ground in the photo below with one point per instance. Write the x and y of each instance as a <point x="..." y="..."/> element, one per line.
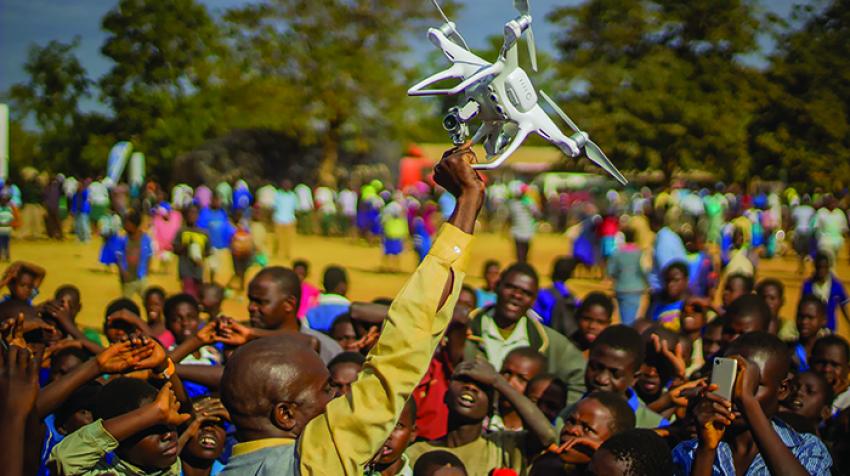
<point x="75" y="263"/>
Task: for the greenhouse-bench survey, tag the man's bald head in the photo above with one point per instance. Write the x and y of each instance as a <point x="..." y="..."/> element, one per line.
<point x="273" y="387"/>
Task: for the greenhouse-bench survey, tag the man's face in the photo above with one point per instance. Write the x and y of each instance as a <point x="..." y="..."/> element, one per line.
<point x="184" y="323"/>
<point x="315" y="381"/>
<point x="592" y="322"/>
<point x="734" y="289"/>
<point x="831" y="362"/>
<point x="342" y="376"/>
<point x="301" y="272"/>
<point x="589" y="419"/>
<point x="609" y="369"/>
<point x="402" y="435"/>
<point x="739" y="325"/>
<point x="518" y="370"/>
<point x="675" y="283"/>
<point x="773" y="298"/>
<point x="344" y="334"/>
<point x="516" y="294"/>
<point x="809" y="322"/>
<point x="268" y="307"/>
<point x="467" y="399"/>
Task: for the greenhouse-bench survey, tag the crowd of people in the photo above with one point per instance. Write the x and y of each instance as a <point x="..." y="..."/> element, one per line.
<point x="510" y="378"/>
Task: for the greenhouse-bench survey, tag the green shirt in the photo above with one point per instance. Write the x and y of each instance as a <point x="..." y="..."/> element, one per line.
<point x="83" y="453"/>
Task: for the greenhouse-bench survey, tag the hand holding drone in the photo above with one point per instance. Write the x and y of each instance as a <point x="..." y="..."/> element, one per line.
<point x="502" y="97"/>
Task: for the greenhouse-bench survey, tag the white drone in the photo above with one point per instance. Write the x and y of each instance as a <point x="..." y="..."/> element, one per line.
<point x="501" y="96"/>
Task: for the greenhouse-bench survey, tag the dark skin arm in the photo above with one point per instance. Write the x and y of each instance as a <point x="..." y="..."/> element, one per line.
<point x="368" y="312"/>
<point x="481" y="371"/>
<point x="776" y="455"/>
<point x="207" y="375"/>
<point x="165" y="410"/>
<point x="62" y="317"/>
<point x="205" y="336"/>
<point x="713" y="414"/>
<point x="18" y="391"/>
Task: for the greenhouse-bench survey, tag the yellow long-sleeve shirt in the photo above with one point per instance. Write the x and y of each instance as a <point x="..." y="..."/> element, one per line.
<point x="352" y="429"/>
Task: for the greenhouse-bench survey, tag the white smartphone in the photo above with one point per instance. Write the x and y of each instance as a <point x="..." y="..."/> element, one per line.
<point x="723" y="374"/>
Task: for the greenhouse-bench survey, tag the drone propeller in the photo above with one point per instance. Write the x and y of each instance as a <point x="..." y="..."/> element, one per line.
<point x="451" y="25"/>
<point x="582" y="139"/>
<point x="524" y="9"/>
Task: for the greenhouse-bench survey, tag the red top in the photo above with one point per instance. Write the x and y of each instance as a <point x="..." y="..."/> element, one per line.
<point x="432" y="414"/>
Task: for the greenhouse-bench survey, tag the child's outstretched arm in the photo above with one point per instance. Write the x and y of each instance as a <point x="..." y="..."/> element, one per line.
<point x="353" y="428"/>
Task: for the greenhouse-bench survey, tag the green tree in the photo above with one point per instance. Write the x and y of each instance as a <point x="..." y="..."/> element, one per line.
<point x="338" y="65"/>
<point x="51" y="97"/>
<point x="659" y="84"/>
<point x="159" y="87"/>
<point x="802" y="131"/>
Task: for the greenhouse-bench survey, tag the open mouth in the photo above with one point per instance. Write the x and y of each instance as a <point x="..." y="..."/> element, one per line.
<point x="386" y="451"/>
<point x="467" y="399"/>
<point x="208" y="441"/>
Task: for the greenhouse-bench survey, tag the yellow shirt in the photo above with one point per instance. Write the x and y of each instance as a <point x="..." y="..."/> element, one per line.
<point x="501" y="449"/>
<point x="352" y="429"/>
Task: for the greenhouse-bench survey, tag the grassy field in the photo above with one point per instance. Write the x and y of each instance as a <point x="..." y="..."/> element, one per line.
<point x="75" y="263"/>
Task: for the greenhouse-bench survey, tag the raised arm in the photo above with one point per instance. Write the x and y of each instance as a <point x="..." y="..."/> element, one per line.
<point x="354" y="427"/>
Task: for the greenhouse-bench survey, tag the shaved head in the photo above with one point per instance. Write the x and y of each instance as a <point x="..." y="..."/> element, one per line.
<point x="274" y="386"/>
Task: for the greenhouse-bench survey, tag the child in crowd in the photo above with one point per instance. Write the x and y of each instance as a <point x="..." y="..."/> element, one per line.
<point x="8" y="222"/>
<point x="549" y="393"/>
<point x="773" y="292"/>
<point x="748" y="313"/>
<point x="469" y="398"/>
<point x="691" y="325"/>
<point x="666" y="306"/>
<point x="557" y="303"/>
<point x="702" y="278"/>
<point x="742" y="435"/>
<point x="212" y="296"/>
<point x="829" y="289"/>
<point x="637" y="452"/>
<point x="439" y="463"/>
<point x="592" y="317"/>
<point x="205" y="438"/>
<point x="613" y="363"/>
<point x="811" y="320"/>
<point x="193" y="345"/>
<point x="332" y="302"/>
<point x="813" y="399"/>
<point x="391" y="459"/>
<point x="831" y="358"/>
<point x="343" y="370"/>
<point x="486" y="295"/>
<point x="342" y="331"/>
<point x="394" y="226"/>
<point x="154" y="302"/>
<point x="520" y="366"/>
<point x="309" y="293"/>
<point x="192" y="246"/>
<point x="736" y="285"/>
<point x="23" y="280"/>
<point x="133" y="253"/>
<point x="242" y="250"/>
<point x="712" y="337"/>
<point x="593" y="420"/>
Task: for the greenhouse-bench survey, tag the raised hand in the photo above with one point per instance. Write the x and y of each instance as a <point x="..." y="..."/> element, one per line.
<point x="210" y="409"/>
<point x="713" y="414"/>
<point x="676" y="356"/>
<point x="681" y="394"/>
<point x="155" y="359"/>
<point x="230" y="332"/>
<point x="14" y="330"/>
<point x="18" y="381"/>
<point x="124" y="315"/>
<point x="121" y="357"/>
<point x="207" y="334"/>
<point x="58" y="346"/>
<point x="168" y="407"/>
<point x="368" y="340"/>
<point x="455" y="173"/>
<point x="479" y="370"/>
<point x="58" y="313"/>
<point x="747" y="382"/>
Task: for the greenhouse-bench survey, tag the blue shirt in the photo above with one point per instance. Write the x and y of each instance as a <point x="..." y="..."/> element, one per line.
<point x="330" y="307"/>
<point x="668" y="248"/>
<point x="837" y="298"/>
<point x="807" y="449"/>
<point x="546" y="300"/>
<point x="218" y="227"/>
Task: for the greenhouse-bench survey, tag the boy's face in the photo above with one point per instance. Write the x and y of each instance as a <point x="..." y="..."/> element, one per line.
<point x="712" y="340"/>
<point x="831" y="362"/>
<point x="153" y="307"/>
<point x="648" y="385"/>
<point x="79" y="419"/>
<point x="130" y="227"/>
<point x="70" y="302"/>
<point x="549" y="398"/>
<point x="609" y="369"/>
<point x="301" y="272"/>
<point x="155" y="448"/>
<point x="208" y="443"/>
<point x="592" y="322"/>
<point x="400" y="438"/>
<point x="692" y="318"/>
<point x="342" y="376"/>
<point x="467" y="298"/>
<point x="344" y="334"/>
<point x="519" y="370"/>
<point x="184" y="323"/>
<point x="675" y="283"/>
<point x="740" y="324"/>
<point x="516" y="293"/>
<point x="773" y="298"/>
<point x="589" y="419"/>
<point x="466" y="399"/>
<point x="809" y="322"/>
<point x="21" y="286"/>
<point x="733" y="289"/>
<point x="812" y="395"/>
<point x="491" y="277"/>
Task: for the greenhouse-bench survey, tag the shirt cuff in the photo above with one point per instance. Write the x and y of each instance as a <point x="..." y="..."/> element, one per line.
<point x="451" y="244"/>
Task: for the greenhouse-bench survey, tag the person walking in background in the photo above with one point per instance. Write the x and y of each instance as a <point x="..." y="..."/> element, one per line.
<point x="304" y="208"/>
<point x="8" y="221"/>
<point x="803" y="217"/>
<point x="133" y="255"/>
<point x="52" y="221"/>
<point x="394" y="226"/>
<point x="191" y="245"/>
<point x="285" y="204"/>
<point x="831" y="225"/>
<point x="166" y="223"/>
<point x="220" y="231"/>
<point x="32" y="213"/>
<point x="81" y="209"/>
<point x="523" y="223"/>
<point x="826" y="286"/>
<point x="630" y="278"/>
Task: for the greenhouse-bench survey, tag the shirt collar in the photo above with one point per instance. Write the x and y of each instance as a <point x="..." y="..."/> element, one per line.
<point x="247" y="447"/>
<point x="489" y="330"/>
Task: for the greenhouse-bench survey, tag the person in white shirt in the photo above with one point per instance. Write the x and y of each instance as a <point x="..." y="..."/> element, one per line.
<point x="326" y="204"/>
<point x="285" y="205"/>
<point x="831" y="226"/>
<point x="347" y="200"/>
<point x="304" y="208"/>
<point x="802" y="216"/>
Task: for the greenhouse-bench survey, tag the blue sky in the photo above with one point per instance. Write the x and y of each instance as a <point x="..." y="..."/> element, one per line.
<point x="27" y="22"/>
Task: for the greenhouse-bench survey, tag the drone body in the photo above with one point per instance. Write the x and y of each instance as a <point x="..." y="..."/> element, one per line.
<point x="502" y="97"/>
